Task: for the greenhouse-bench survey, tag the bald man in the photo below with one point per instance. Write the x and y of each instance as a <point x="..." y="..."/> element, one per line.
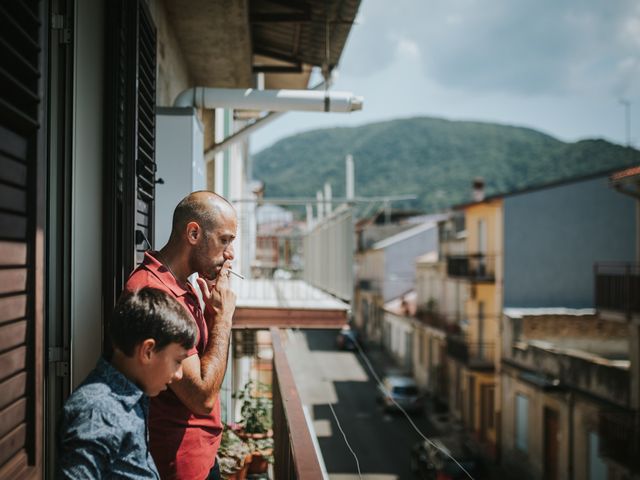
<point x="185" y="427"/>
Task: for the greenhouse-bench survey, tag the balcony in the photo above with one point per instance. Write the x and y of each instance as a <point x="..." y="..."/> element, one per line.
<point x="617" y="288"/>
<point x="476" y="267"/>
<point x="475" y="355"/>
<point x="260" y="363"/>
<point x="619" y="433"/>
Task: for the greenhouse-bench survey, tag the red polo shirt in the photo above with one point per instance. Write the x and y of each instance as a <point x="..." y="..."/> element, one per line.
<point x="183" y="445"/>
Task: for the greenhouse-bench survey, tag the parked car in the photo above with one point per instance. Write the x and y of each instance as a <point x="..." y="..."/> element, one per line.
<point x="430" y="462"/>
<point x="347" y="338"/>
<point x="399" y="390"/>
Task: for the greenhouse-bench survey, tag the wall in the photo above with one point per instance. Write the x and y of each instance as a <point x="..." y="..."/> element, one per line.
<point x="489" y="293"/>
<point x="328" y="254"/>
<point x="399" y="263"/>
<point x="554" y="236"/>
<point x="530" y="464"/>
<point x="172" y="72"/>
<point x="86" y="208"/>
<point x="399" y="339"/>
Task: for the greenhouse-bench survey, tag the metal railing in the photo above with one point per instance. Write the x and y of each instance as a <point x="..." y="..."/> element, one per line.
<point x="619" y="433"/>
<point x="295" y="456"/>
<point x="477" y="267"/>
<point x="475" y="355"/>
<point x="617" y="287"/>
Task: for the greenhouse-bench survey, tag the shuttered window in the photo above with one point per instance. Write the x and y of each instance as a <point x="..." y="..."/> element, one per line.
<point x="21" y="225"/>
<point x="130" y="167"/>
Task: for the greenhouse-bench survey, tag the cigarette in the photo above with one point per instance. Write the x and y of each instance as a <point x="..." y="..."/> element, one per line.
<point x="236" y="274"/>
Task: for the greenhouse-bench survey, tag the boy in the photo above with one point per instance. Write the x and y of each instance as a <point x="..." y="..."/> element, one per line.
<point x="103" y="429"/>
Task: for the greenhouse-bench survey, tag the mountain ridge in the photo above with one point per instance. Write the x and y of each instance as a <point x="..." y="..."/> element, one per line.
<point x="435" y="159"/>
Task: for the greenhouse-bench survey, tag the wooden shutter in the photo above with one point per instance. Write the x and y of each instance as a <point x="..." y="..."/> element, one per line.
<point x="130" y="141"/>
<point x="146" y="123"/>
<point x="22" y="188"/>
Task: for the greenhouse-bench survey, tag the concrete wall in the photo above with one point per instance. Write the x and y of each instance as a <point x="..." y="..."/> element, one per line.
<point x="555" y="235"/>
<point x="398" y="339"/>
<point x="399" y="262"/>
<point x="172" y="72"/>
<point x="530" y="464"/>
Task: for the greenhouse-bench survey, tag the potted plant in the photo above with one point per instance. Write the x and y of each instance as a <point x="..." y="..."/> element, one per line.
<point x="255" y="425"/>
<point x="234" y="456"/>
<point x="261" y="454"/>
<point x="255" y="411"/>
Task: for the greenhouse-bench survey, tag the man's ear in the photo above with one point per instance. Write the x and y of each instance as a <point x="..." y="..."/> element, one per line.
<point x="145" y="350"/>
<point x="193" y="232"/>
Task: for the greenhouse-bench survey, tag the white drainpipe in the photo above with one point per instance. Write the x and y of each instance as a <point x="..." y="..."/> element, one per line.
<point x="269" y="100"/>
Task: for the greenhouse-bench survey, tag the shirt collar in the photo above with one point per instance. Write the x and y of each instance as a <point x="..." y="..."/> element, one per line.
<point x="122" y="388"/>
<point x="163" y="273"/>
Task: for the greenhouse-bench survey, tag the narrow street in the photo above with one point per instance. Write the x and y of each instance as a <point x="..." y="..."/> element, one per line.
<point x="381" y="441"/>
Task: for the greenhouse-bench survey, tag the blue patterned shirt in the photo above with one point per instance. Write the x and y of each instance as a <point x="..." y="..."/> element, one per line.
<point x="103" y="430"/>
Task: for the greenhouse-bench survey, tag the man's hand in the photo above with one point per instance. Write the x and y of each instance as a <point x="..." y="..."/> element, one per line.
<point x="218" y="297"/>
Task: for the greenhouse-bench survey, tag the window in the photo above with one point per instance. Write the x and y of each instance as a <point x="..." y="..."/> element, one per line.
<point x="522" y="422"/>
<point x="597" y="467"/>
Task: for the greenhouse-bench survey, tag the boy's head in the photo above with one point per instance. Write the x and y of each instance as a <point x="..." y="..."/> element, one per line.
<point x="152" y="332"/>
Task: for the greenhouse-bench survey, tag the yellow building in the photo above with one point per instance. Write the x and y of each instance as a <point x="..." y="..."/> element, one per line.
<point x="473" y="350"/>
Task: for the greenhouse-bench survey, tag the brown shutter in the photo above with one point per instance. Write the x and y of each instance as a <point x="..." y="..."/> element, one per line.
<point x="22" y="190"/>
<point x="130" y="140"/>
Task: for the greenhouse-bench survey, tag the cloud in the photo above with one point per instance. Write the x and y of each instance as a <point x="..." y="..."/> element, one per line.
<point x="531" y="47"/>
<point x="523" y="47"/>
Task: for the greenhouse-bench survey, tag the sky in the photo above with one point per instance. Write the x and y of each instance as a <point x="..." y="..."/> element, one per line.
<point x="564" y="67"/>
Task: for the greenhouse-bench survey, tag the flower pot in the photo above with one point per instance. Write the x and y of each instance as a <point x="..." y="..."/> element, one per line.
<point x="256" y="436"/>
<point x="259" y="462"/>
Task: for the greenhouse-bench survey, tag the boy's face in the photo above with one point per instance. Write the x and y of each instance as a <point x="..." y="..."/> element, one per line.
<point x="164" y="366"/>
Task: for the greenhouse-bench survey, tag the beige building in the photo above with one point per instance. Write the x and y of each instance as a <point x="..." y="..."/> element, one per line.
<point x="472" y="348"/>
<point x="565" y="383"/>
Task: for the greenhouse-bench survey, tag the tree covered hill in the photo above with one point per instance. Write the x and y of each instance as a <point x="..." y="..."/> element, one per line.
<point x="432" y="158"/>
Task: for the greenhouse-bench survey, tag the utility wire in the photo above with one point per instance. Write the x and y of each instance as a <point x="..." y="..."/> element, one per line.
<point x="346" y="441"/>
<point x="415" y="427"/>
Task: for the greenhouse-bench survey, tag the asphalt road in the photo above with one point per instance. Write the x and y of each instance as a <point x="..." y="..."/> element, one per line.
<point x="381" y="441"/>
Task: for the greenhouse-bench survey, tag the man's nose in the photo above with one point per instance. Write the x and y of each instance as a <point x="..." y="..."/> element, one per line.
<point x="229" y="253"/>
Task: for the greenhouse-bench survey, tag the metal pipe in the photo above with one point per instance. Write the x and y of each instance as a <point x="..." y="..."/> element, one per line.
<point x="210" y="154"/>
<point x="269" y="100"/>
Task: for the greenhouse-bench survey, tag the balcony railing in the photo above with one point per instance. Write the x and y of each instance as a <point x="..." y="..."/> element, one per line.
<point x="617" y="287"/>
<point x="477" y="267"/>
<point x="295" y="456"/>
<point x="475" y="355"/>
<point x="620" y="437"/>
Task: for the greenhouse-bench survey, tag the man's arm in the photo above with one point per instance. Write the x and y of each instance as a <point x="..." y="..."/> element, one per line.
<point x="202" y="376"/>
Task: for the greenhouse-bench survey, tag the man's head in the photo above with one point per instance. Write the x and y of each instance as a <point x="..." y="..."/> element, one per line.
<point x="206" y="224"/>
<point x="152" y="332"/>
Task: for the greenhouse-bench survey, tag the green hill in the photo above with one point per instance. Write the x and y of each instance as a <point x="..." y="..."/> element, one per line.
<point x="432" y="158"/>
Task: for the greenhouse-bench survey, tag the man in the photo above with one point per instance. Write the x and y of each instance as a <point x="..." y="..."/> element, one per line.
<point x="185" y="427"/>
<point x="103" y="427"/>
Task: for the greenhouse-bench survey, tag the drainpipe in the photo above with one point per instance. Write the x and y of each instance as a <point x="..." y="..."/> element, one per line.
<point x="269" y="100"/>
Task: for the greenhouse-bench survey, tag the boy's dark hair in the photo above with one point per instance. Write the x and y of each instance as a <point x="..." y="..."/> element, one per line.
<point x="150" y="313"/>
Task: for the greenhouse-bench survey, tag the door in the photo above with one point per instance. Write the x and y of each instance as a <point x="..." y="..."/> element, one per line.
<point x="551" y="444"/>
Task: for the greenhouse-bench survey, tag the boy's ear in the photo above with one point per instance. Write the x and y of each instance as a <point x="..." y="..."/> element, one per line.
<point x="145" y="350"/>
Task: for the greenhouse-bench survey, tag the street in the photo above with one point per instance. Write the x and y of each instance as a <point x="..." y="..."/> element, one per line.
<point x="381" y="441"/>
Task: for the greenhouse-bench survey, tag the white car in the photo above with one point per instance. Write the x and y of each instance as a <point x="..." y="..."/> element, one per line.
<point x="400" y="391"/>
